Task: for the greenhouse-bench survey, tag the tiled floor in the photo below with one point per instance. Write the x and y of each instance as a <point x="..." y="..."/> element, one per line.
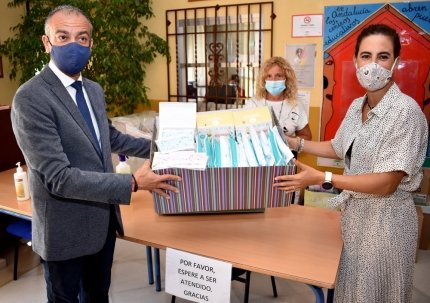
<point x="130" y="283"/>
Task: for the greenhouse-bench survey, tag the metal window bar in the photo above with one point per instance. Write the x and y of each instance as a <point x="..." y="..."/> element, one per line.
<point x="217" y="63"/>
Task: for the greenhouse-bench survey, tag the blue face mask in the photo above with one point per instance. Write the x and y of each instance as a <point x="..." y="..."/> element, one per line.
<point x="70" y="58"/>
<point x="275" y="88"/>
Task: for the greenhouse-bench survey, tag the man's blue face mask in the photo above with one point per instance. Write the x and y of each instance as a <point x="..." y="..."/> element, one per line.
<point x="275" y="88"/>
<point x="70" y="58"/>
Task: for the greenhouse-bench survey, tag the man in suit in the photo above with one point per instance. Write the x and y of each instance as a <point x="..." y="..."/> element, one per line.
<point x="67" y="140"/>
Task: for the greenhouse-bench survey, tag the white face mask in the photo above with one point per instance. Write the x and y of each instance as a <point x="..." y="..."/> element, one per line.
<point x="372" y="76"/>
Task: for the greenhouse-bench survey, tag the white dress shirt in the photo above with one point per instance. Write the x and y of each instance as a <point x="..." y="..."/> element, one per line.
<point x="67" y="82"/>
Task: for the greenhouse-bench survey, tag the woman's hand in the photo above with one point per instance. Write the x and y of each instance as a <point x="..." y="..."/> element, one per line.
<point x="307" y="176"/>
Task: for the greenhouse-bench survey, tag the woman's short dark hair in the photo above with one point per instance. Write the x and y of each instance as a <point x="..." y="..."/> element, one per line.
<point x="380" y="29"/>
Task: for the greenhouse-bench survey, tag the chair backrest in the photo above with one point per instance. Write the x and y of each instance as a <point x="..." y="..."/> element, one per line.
<point x="220" y="93"/>
<point x="20" y="228"/>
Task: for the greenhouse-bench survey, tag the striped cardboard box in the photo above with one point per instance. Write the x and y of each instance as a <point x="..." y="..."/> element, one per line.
<point x="223" y="189"/>
<point x="227" y="189"/>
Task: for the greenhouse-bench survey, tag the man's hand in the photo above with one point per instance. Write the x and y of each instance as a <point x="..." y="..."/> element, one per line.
<point x="147" y="180"/>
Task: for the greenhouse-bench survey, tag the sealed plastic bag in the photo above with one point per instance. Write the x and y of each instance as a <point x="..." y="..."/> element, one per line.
<point x="267" y="149"/>
<point x="225" y="151"/>
<point x="249" y="151"/>
<point x="258" y="150"/>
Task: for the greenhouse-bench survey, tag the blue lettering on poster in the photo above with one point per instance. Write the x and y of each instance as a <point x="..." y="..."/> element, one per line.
<point x="417" y="12"/>
<point x="339" y="20"/>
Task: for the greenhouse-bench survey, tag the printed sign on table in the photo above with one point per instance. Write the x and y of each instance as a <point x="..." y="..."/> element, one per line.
<point x="196" y="278"/>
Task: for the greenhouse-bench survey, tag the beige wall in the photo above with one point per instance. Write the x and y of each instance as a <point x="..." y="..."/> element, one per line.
<point x="8" y="18"/>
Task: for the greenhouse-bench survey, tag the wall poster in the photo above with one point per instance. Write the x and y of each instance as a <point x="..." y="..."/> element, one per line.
<point x="307" y="26"/>
<point x="342" y="25"/>
<point x="302" y="60"/>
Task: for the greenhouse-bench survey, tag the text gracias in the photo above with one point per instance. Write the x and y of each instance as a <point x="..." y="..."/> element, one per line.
<point x="196" y="276"/>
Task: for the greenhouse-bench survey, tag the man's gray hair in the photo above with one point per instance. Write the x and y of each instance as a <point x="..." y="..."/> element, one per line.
<point x="66" y="9"/>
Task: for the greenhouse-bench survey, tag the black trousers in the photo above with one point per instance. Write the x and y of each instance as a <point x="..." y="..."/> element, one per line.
<point x="84" y="279"/>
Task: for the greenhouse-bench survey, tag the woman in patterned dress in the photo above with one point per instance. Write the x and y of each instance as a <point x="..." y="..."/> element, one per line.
<point x="383" y="141"/>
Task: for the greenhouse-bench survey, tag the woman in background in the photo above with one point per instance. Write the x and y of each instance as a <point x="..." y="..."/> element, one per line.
<point x="234" y="80"/>
<point x="276" y="88"/>
<point x="383" y="140"/>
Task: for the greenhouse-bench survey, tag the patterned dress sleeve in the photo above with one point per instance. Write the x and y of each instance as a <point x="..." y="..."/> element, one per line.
<point x="404" y="145"/>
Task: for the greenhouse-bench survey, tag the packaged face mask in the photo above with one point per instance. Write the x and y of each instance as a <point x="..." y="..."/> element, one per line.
<point x="199" y="145"/>
<point x="242" y="161"/>
<point x="209" y="151"/>
<point x="267" y="149"/>
<point x="233" y="145"/>
<point x="286" y="153"/>
<point x="225" y="151"/>
<point x="258" y="150"/>
<point x="249" y="151"/>
<point x="217" y="153"/>
<point x="276" y="152"/>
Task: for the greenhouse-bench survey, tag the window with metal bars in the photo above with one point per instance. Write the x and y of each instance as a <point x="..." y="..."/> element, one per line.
<point x="216" y="53"/>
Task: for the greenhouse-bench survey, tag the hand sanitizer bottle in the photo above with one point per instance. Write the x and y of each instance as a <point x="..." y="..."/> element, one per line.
<point x="122" y="167"/>
<point x="21" y="184"/>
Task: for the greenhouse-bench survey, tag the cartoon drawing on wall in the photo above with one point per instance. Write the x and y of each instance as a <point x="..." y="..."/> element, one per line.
<point x="342" y="24"/>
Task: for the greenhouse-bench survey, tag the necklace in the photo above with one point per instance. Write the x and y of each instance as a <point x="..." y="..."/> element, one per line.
<point x="370" y="107"/>
<point x="280" y="111"/>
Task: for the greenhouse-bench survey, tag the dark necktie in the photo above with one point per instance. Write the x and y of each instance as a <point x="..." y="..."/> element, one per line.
<point x="82" y="105"/>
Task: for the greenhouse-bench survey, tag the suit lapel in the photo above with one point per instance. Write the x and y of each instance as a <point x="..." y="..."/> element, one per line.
<point x="64" y="97"/>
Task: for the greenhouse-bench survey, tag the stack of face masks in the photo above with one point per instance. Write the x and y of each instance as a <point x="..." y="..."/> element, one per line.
<point x="230" y="138"/>
<point x="246" y="149"/>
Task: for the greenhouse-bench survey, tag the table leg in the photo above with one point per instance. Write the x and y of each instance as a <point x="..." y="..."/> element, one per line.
<point x="247" y="282"/>
<point x="318" y="293"/>
<point x="157" y="269"/>
<point x="149" y="265"/>
<point x="330" y="295"/>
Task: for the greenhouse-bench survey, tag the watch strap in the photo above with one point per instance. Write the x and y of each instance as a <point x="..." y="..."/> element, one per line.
<point x="136" y="187"/>
<point x="328" y="176"/>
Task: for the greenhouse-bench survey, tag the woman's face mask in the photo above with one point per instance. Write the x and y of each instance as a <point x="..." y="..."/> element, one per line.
<point x="372" y="76"/>
<point x="275" y="88"/>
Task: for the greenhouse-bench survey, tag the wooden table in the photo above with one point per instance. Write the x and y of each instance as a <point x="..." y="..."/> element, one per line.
<point x="8" y="202"/>
<point x="297" y="243"/>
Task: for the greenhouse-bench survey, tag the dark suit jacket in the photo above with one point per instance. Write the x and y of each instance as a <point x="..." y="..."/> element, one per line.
<point x="72" y="184"/>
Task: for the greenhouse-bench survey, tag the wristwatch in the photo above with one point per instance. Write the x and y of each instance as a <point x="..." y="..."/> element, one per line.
<point x="327" y="182"/>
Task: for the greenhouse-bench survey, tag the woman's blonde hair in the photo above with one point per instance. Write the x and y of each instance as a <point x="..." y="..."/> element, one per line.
<point x="290" y="94"/>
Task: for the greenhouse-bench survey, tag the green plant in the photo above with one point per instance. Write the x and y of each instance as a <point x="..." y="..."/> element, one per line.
<point x="122" y="48"/>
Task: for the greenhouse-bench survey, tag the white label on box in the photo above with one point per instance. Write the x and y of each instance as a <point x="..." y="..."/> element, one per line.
<point x="196" y="278"/>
